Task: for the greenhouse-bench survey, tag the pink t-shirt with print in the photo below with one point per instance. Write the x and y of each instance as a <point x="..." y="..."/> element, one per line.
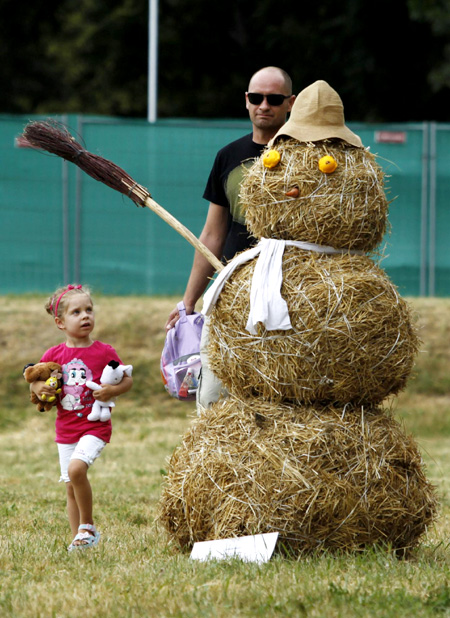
<point x="76" y="399"/>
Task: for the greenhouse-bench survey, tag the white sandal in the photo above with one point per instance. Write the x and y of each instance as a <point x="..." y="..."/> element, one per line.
<point x="89" y="540"/>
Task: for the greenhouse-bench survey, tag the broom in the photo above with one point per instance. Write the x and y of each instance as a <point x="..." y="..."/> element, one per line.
<point x="54" y="137"/>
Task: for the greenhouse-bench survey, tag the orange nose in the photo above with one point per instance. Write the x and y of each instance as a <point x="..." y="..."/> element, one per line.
<point x="294" y="192"/>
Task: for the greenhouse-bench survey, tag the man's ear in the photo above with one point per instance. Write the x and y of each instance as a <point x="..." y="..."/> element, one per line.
<point x="291" y="102"/>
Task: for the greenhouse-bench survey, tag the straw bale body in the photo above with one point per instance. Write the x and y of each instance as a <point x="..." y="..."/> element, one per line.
<point x="352" y="337"/>
<point x="324" y="478"/>
<point x="345" y="210"/>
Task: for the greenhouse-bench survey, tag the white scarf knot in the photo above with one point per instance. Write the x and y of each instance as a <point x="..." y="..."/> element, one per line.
<point x="266" y="303"/>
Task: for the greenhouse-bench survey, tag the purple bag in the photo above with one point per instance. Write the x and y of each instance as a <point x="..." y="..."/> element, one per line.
<point x="180" y="358"/>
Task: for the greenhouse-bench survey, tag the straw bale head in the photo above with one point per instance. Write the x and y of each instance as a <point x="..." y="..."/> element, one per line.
<point x="352" y="337"/>
<point x="323" y="478"/>
<point x="295" y="200"/>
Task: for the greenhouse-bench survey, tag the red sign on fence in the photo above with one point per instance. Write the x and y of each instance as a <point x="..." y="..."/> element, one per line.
<point x="390" y="137"/>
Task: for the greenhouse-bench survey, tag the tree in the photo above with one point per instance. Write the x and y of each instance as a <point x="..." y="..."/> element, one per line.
<point x="100" y="55"/>
<point x="389" y="61"/>
<point x="25" y="73"/>
<point x="436" y="13"/>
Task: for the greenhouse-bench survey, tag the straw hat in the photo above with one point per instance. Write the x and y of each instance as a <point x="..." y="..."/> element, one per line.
<point x="317" y="114"/>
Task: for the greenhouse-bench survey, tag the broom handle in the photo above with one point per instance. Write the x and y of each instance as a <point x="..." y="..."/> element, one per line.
<point x="187" y="234"/>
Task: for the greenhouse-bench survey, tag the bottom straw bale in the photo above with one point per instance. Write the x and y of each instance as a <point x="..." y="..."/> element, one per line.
<point x="324" y="478"/>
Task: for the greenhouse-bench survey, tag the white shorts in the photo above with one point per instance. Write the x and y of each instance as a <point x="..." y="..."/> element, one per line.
<point x="88" y="448"/>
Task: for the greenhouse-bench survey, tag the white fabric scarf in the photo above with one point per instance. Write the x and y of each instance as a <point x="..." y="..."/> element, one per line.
<point x="266" y="303"/>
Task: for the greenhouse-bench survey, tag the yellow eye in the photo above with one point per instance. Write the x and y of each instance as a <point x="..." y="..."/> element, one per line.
<point x="327" y="164"/>
<point x="271" y="158"/>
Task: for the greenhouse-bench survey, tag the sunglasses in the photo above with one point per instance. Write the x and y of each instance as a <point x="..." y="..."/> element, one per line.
<point x="256" y="98"/>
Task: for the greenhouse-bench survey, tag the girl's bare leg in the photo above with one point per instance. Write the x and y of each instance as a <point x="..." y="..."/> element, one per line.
<point x="82" y="492"/>
<point x="72" y="509"/>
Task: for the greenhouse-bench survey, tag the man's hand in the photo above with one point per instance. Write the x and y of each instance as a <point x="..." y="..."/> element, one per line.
<point x="174" y="316"/>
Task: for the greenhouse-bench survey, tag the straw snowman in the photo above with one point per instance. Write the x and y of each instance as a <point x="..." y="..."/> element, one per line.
<point x="309" y="336"/>
<point x="345" y="334"/>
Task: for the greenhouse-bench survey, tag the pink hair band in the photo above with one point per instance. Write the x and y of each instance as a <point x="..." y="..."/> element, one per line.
<point x="69" y="287"/>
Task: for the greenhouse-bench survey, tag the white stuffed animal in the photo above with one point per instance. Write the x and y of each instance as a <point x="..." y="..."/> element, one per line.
<point x="111" y="374"/>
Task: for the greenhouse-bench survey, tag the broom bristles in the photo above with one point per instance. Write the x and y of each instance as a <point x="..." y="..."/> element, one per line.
<point x="54" y="137"/>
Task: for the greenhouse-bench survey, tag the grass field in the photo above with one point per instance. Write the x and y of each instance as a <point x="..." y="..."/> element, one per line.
<point x="136" y="571"/>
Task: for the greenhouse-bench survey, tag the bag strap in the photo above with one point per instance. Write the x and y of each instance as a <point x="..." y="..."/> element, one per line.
<point x="182" y="311"/>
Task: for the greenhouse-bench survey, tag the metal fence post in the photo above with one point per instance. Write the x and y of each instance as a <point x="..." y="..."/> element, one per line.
<point x="432" y="214"/>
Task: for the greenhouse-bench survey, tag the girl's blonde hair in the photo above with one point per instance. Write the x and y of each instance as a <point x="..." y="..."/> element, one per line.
<point x="57" y="302"/>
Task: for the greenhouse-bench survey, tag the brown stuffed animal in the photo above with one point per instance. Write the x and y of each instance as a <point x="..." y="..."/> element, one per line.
<point x="51" y="373"/>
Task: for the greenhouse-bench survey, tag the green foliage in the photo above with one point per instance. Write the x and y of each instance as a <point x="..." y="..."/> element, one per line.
<point x="99" y="53"/>
<point x="384" y="58"/>
<point x="27" y="75"/>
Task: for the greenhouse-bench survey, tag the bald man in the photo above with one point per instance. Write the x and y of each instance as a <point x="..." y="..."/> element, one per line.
<point x="268" y="100"/>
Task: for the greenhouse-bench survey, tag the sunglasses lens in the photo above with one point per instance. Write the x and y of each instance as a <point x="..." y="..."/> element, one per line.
<point x="255" y="98"/>
<point x="275" y="99"/>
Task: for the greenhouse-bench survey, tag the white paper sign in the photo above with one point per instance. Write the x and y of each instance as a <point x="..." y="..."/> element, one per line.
<point x="255" y="548"/>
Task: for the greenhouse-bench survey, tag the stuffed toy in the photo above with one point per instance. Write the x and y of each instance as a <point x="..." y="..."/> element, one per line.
<point x="111" y="374"/>
<point x="51" y="373"/>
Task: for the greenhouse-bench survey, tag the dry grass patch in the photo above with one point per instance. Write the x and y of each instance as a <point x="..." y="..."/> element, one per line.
<point x="136" y="572"/>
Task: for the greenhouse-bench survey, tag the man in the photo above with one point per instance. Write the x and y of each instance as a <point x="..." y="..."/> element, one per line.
<point x="268" y="100"/>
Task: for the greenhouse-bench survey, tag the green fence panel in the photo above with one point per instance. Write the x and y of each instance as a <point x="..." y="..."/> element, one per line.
<point x="403" y="163"/>
<point x="32" y="215"/>
<point x="141" y="253"/>
<point x="59" y="225"/>
<point x="439" y="254"/>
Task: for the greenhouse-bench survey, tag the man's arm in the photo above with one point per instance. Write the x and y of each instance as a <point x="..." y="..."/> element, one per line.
<point x="213" y="236"/>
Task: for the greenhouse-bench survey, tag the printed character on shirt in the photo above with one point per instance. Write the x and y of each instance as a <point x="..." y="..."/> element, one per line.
<point x="75" y="375"/>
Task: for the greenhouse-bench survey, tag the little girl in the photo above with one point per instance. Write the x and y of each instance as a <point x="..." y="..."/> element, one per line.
<point x="79" y="440"/>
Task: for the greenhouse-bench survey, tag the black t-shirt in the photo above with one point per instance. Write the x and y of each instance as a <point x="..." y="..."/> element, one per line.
<point x="223" y="187"/>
